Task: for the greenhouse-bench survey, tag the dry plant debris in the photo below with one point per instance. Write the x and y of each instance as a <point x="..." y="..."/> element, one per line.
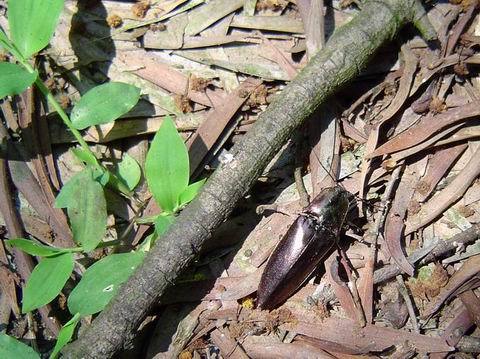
<point x="409" y="129"/>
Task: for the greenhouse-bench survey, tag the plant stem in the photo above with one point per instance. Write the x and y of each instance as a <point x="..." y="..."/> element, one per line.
<point x="46" y="92"/>
<point x="78" y="136"/>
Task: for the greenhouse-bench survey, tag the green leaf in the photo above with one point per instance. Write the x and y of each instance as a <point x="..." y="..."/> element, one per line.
<point x="162" y="223"/>
<point x="84" y="156"/>
<point x="86" y="207"/>
<point x="33" y="248"/>
<point x="4" y="41"/>
<point x="14" y="79"/>
<point x="32" y="23"/>
<point x="101" y="176"/>
<point x="191" y="191"/>
<point x="167" y="166"/>
<point x="104" y="104"/>
<point x="46" y="281"/>
<point x="128" y="171"/>
<point x="65" y="335"/>
<point x="13" y="348"/>
<point x="101" y="281"/>
<point x="148" y="243"/>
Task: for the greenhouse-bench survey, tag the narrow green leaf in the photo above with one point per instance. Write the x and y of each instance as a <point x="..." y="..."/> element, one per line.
<point x="46" y="281"/>
<point x="148" y="243"/>
<point x="162" y="223"/>
<point x="167" y="166"/>
<point x="104" y="104"/>
<point x="4" y="41"/>
<point x="128" y="171"/>
<point x="14" y="79"/>
<point x="32" y="23"/>
<point x="86" y="207"/>
<point x="84" y="156"/>
<point x="101" y="281"/>
<point x="101" y="176"/>
<point x="191" y="191"/>
<point x="65" y="335"/>
<point x="33" y="248"/>
<point x="13" y="348"/>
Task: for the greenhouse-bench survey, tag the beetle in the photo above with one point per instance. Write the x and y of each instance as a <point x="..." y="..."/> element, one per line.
<point x="310" y="238"/>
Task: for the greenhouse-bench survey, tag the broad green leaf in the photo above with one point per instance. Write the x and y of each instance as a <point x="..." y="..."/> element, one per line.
<point x="32" y="23"/>
<point x="34" y="248"/>
<point x="101" y="281"/>
<point x="13" y="348"/>
<point x="86" y="207"/>
<point x="84" y="156"/>
<point x="104" y="104"/>
<point x="14" y="79"/>
<point x="190" y="192"/>
<point x="67" y="195"/>
<point x="167" y="166"/>
<point x="46" y="281"/>
<point x="162" y="223"/>
<point x="65" y="335"/>
<point x="128" y="171"/>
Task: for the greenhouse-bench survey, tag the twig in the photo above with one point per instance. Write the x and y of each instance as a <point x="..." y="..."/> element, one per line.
<point x="408" y="301"/>
<point x="23" y="262"/>
<point x="441" y="248"/>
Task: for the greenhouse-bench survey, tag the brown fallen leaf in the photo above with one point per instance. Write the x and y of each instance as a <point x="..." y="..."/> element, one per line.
<point x="448" y="196"/>
<point x="428" y="143"/>
<point x="214" y="124"/>
<point x="472" y="303"/>
<point x="297" y="349"/>
<point x="340" y="288"/>
<point x="151" y="69"/>
<point x="426" y="128"/>
<point x="438" y="165"/>
<point x="406" y="79"/>
<point x="395" y="222"/>
<point x="227" y="345"/>
<point x="356" y="340"/>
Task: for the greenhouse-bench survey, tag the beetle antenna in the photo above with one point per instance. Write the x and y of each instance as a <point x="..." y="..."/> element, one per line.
<point x="328" y="172"/>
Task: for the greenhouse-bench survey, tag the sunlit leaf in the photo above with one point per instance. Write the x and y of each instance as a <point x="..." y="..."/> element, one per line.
<point x="86" y="206"/>
<point x="32" y="23"/>
<point x="14" y="79"/>
<point x="104" y="104"/>
<point x="65" y="335"/>
<point x="13" y="348"/>
<point x="84" y="156"/>
<point x="34" y="248"/>
<point x="162" y="223"/>
<point x="46" y="281"/>
<point x="101" y="281"/>
<point x="128" y="171"/>
<point x="167" y="166"/>
<point x="191" y="191"/>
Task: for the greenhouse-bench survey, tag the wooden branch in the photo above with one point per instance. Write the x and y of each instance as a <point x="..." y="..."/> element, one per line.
<point x="347" y="52"/>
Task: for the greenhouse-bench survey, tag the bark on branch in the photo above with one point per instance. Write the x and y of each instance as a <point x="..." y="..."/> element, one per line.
<point x="347" y="52"/>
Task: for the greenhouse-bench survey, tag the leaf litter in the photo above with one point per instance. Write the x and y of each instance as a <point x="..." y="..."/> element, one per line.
<point x="215" y="66"/>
